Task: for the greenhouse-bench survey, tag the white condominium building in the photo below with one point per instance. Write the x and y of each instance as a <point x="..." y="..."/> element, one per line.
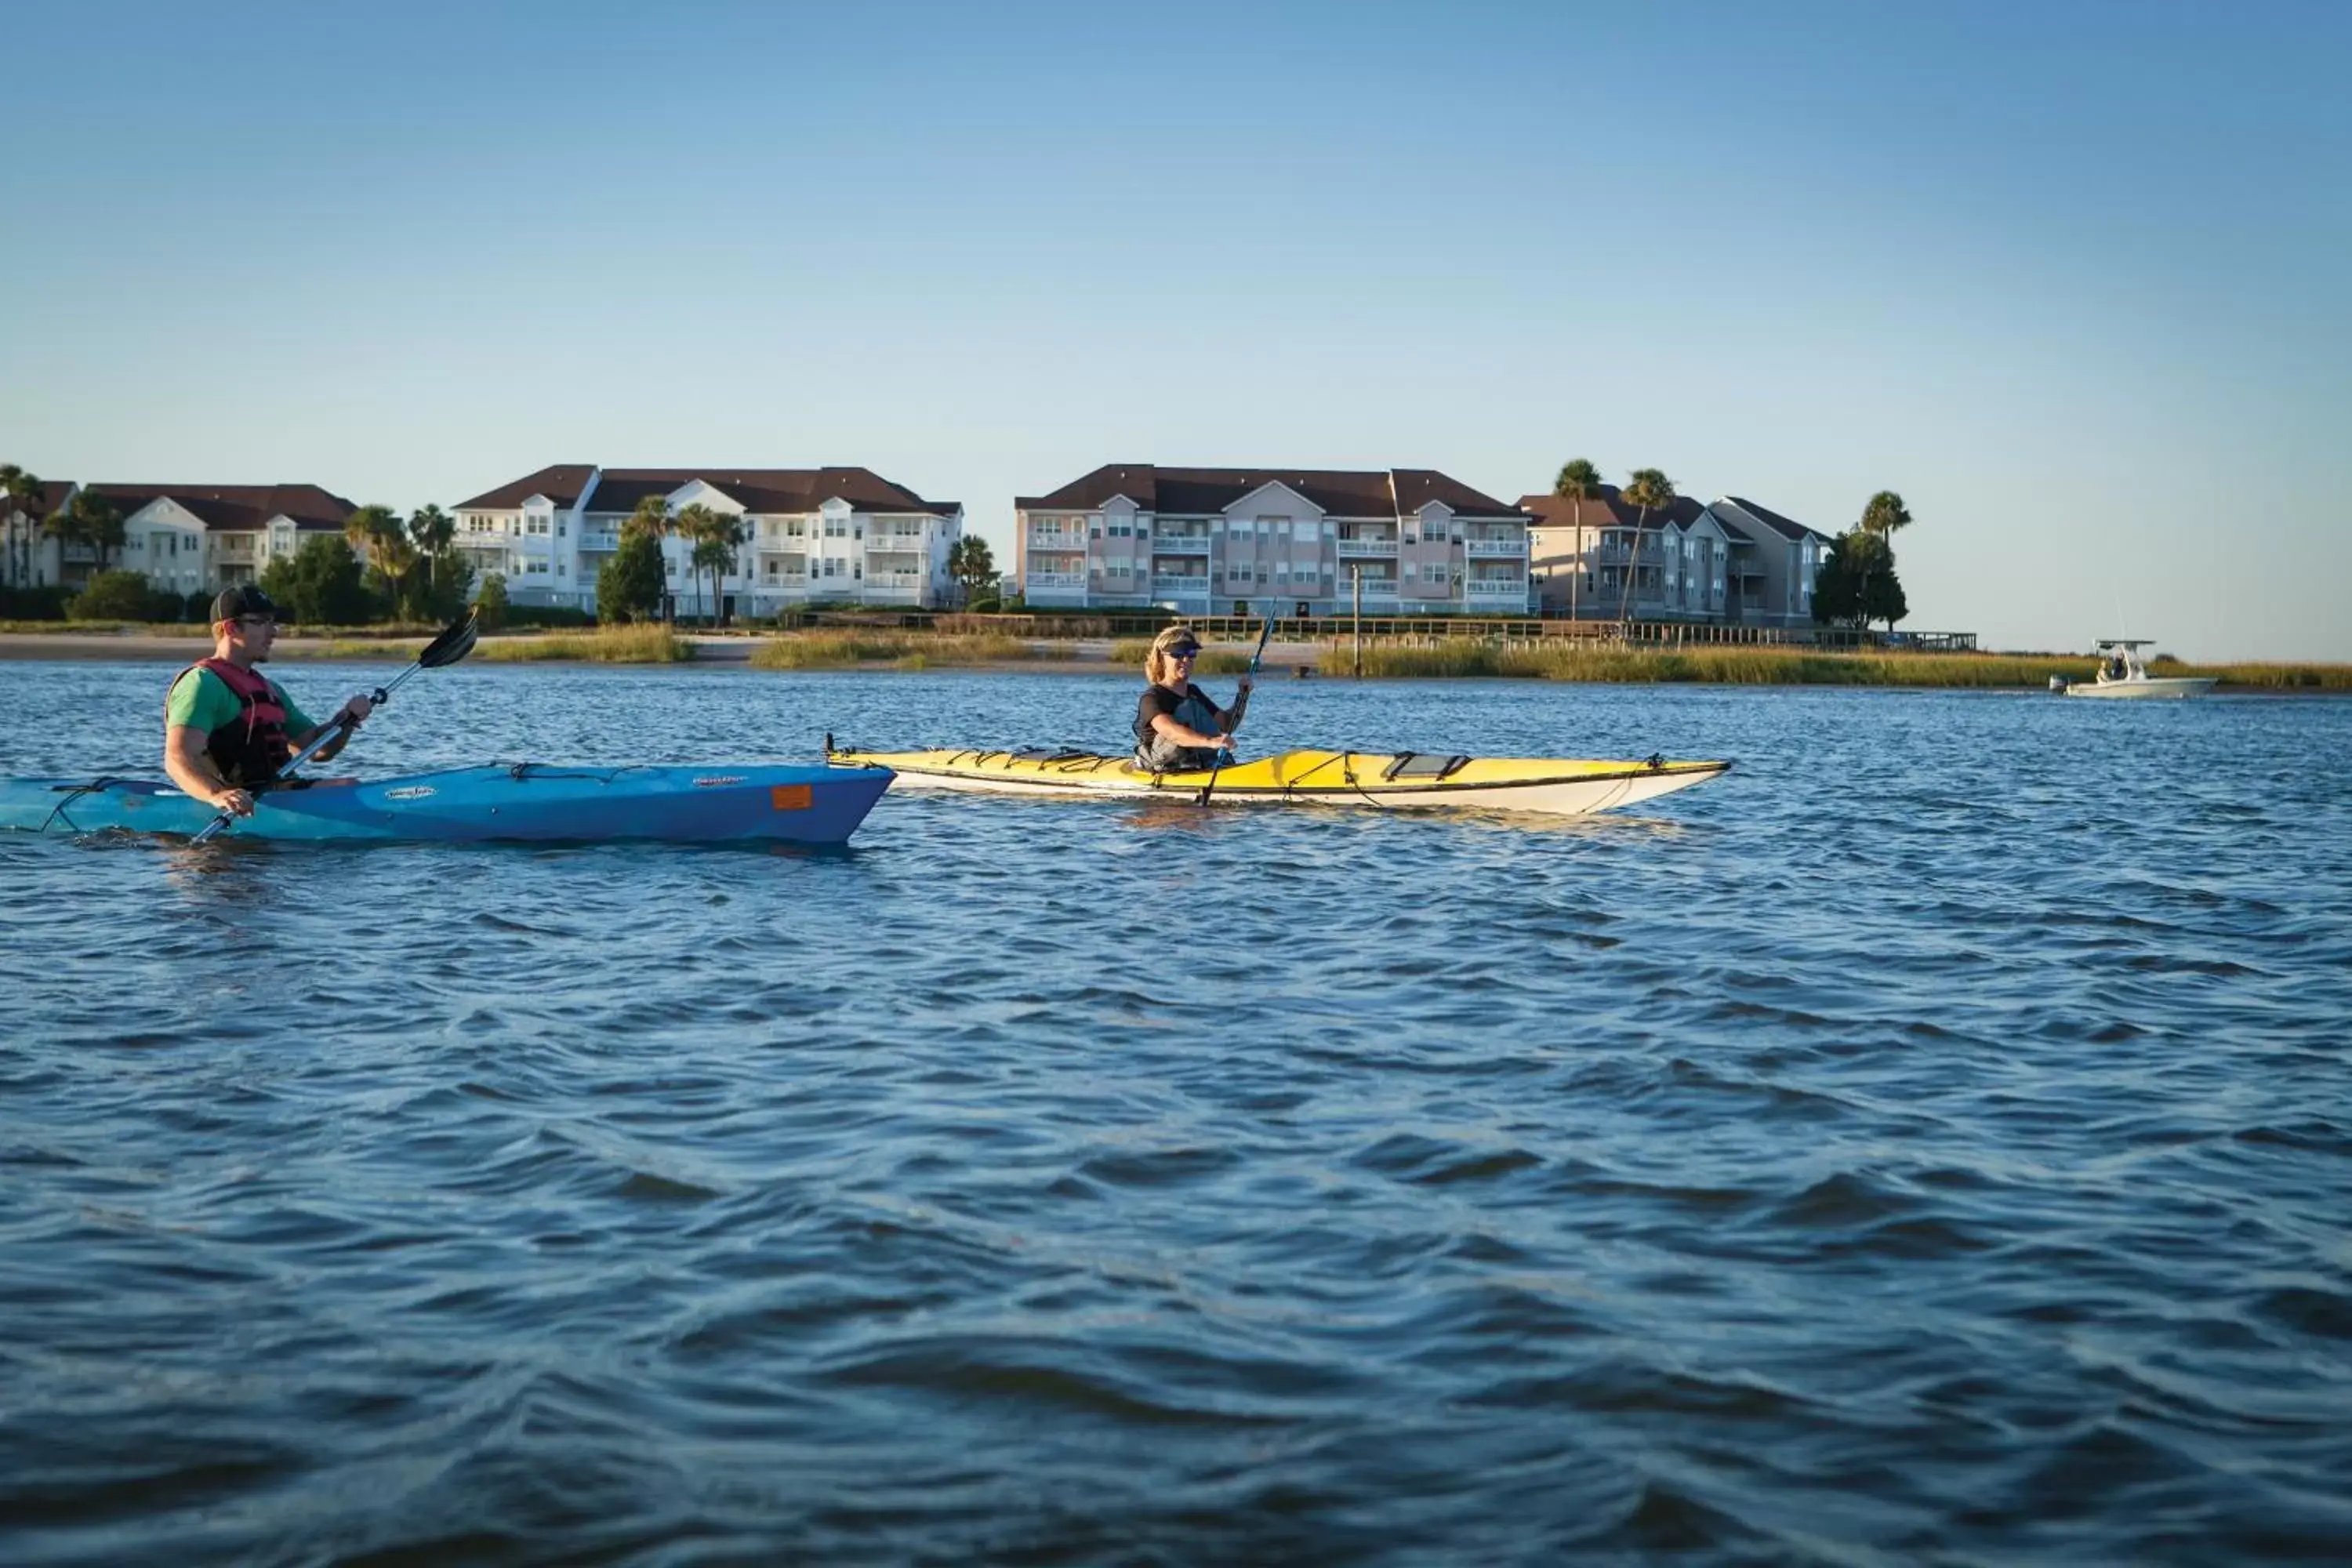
<point x="1288" y="541"/>
<point x="184" y="539"/>
<point x="812" y="536"/>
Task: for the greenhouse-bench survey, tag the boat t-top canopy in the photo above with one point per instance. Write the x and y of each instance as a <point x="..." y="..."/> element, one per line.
<point x="2126" y="642"/>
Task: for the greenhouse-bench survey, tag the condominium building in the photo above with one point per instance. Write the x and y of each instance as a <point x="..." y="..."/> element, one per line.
<point x="183" y="538"/>
<point x="813" y="536"/>
<point x="1728" y="561"/>
<point x="1289" y="541"/>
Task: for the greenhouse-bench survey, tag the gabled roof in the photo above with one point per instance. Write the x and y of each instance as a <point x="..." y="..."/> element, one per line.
<point x="53" y="496"/>
<point x="1607" y="508"/>
<point x="1787" y="528"/>
<point x="1201" y="492"/>
<point x="236" y="508"/>
<point x="561" y="483"/>
<point x="791" y="490"/>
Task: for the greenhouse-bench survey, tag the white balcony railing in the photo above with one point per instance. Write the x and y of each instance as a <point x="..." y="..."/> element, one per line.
<point x="1056" y="539"/>
<point x="1484" y="588"/>
<point x="1378" y="587"/>
<point x="1488" y="549"/>
<point x="1057" y="579"/>
<point x="1367" y="547"/>
<point x="600" y="542"/>
<point x="1162" y="584"/>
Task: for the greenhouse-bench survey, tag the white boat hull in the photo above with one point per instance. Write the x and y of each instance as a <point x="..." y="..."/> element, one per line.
<point x="2145" y="686"/>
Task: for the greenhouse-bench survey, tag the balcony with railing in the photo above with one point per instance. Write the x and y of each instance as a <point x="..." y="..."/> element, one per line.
<point x="1495" y="549"/>
<point x="599" y="539"/>
<point x="1056" y="580"/>
<point x="1356" y="544"/>
<point x="1162" y="582"/>
<point x="1490" y="588"/>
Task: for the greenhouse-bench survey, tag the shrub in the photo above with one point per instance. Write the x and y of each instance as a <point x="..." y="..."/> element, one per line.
<point x="47" y="604"/>
<point x="491" y="597"/>
<point x="122" y="597"/>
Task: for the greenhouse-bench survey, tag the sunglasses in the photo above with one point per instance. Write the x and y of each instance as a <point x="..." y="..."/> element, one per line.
<point x="256" y="620"/>
<point x="1183" y="653"/>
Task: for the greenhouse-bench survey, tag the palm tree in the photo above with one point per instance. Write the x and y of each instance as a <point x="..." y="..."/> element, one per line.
<point x="697" y="525"/>
<point x="23" y="493"/>
<point x="1578" y="482"/>
<point x="652" y="519"/>
<point x="433" y="530"/>
<point x="972" y="566"/>
<point x="1886" y="515"/>
<point x="715" y="537"/>
<point x="396" y="558"/>
<point x="372" y="532"/>
<point x="1882" y="519"/>
<point x="99" y="523"/>
<point x="1646" y="489"/>
<point x="63" y="527"/>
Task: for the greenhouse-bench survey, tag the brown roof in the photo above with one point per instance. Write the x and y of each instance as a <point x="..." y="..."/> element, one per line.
<point x="1608" y="509"/>
<point x="236" y="508"/>
<point x="765" y="490"/>
<point x="561" y="483"/>
<point x="53" y="496"/>
<point x="1344" y="492"/>
<point x="1785" y="527"/>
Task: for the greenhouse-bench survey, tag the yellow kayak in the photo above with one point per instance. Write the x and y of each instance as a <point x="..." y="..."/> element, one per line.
<point x="1403" y="781"/>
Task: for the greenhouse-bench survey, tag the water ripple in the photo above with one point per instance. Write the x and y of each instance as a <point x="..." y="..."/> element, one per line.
<point x="1890" y="1153"/>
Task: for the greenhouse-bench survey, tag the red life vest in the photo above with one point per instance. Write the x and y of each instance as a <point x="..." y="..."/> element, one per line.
<point x="250" y="748"/>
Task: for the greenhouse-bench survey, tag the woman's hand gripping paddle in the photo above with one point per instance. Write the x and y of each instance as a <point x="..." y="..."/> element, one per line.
<point x="1210" y="788"/>
<point x="454" y="643"/>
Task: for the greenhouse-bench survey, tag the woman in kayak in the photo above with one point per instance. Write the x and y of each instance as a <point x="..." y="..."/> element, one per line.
<point x="1178" y="728"/>
<point x="227" y="729"/>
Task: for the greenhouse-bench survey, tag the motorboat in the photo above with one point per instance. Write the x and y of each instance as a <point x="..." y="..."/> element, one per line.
<point x="2122" y="672"/>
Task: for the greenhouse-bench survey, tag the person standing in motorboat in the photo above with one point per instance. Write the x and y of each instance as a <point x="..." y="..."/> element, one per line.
<point x="1178" y="727"/>
<point x="227" y="730"/>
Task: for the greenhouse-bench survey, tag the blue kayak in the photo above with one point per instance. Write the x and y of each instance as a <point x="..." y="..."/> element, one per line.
<point x="530" y="800"/>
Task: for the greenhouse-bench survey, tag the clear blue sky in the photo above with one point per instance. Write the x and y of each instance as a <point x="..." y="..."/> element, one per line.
<point x="2070" y="277"/>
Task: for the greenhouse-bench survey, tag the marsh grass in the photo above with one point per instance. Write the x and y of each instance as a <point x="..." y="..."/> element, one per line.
<point x="641" y="644"/>
<point x="902" y="650"/>
<point x="1786" y="667"/>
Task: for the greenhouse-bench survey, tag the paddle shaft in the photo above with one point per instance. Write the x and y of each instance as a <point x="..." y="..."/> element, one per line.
<point x="1263" y="633"/>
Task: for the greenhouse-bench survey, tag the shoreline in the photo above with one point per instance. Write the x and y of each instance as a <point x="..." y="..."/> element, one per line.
<point x="1284" y="662"/>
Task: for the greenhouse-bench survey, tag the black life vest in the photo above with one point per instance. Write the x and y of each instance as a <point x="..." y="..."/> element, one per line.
<point x="1155" y="753"/>
<point x="250" y="748"/>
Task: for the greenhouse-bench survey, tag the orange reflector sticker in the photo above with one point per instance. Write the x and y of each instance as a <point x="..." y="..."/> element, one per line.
<point x="790" y="797"/>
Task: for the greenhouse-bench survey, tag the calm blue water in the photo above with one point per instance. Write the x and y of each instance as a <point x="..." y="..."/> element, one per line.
<point x="1932" y="1141"/>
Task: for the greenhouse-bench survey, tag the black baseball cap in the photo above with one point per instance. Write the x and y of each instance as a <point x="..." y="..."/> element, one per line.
<point x="243" y="599"/>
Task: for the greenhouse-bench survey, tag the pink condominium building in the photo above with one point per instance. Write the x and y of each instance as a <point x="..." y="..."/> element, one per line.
<point x="1289" y="540"/>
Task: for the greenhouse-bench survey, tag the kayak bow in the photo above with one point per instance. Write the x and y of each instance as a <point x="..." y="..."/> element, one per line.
<point x="1405" y="780"/>
<point x="529" y="801"/>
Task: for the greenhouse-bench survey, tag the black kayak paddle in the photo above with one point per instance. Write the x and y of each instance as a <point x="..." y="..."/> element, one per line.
<point x="1223" y="751"/>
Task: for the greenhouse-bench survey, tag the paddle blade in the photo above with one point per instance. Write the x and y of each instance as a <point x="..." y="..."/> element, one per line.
<point x="454" y="644"/>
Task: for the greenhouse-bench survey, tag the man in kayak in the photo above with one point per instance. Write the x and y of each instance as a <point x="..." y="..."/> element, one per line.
<point x="227" y="728"/>
<point x="1178" y="729"/>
